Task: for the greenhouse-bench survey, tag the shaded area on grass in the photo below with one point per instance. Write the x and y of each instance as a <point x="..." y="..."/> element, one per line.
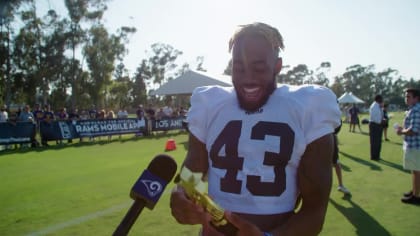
<point x="393" y="165"/>
<point x="395" y="143"/>
<point x="372" y="165"/>
<point x="364" y="223"/>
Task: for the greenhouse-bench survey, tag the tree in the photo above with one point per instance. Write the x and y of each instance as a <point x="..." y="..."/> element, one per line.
<point x="359" y="80"/>
<point x="101" y="52"/>
<point x="139" y="87"/>
<point x="8" y="10"/>
<point x="100" y="57"/>
<point x="161" y="62"/>
<point x="321" y="74"/>
<point x="81" y="10"/>
<point x="200" y="61"/>
<point x="298" y="75"/>
<point x="55" y="65"/>
<point x="121" y="88"/>
<point x="337" y="86"/>
<point x="27" y="58"/>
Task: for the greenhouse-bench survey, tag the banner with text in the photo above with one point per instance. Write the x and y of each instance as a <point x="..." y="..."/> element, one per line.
<point x="19" y="132"/>
<point x="167" y="124"/>
<point x="87" y="128"/>
<point x="90" y="128"/>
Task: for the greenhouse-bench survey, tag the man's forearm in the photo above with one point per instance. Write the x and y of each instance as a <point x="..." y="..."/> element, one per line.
<point x="305" y="222"/>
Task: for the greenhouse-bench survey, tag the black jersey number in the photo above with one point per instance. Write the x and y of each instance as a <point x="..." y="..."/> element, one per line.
<point x="232" y="162"/>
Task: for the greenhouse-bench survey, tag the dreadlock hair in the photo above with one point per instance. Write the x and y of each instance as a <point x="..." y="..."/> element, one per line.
<point x="271" y="34"/>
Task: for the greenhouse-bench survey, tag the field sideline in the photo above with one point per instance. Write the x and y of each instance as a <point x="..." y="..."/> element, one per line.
<point x="82" y="188"/>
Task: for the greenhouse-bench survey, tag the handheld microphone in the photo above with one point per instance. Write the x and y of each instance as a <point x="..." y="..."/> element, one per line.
<point x="148" y="189"/>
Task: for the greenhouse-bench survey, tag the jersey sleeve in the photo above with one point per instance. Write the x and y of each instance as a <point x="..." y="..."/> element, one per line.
<point x="204" y="102"/>
<point x="197" y="114"/>
<point x="323" y="113"/>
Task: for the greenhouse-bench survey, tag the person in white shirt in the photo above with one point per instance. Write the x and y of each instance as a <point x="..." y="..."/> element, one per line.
<point x="3" y="114"/>
<point x="375" y="128"/>
<point x="167" y="110"/>
<point x="3" y="118"/>
<point x="122" y="114"/>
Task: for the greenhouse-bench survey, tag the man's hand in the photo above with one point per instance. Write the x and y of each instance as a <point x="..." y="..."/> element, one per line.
<point x="245" y="228"/>
<point x="185" y="211"/>
<point x="399" y="130"/>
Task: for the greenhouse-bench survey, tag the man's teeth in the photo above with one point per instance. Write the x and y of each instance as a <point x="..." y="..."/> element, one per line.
<point x="251" y="90"/>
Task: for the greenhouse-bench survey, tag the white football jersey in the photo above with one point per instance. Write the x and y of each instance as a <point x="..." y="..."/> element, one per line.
<point x="253" y="157"/>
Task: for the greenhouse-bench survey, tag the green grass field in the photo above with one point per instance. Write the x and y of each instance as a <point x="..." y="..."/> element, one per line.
<point x="83" y="188"/>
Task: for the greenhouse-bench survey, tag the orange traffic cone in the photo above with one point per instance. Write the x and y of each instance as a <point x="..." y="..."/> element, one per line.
<point x="170" y="145"/>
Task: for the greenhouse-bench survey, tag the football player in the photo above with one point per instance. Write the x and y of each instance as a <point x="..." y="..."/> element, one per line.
<point x="260" y="145"/>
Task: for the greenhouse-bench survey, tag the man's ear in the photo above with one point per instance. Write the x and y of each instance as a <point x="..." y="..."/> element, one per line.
<point x="278" y="65"/>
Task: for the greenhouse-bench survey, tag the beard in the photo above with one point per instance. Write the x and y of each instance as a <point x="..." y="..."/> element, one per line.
<point x="254" y="106"/>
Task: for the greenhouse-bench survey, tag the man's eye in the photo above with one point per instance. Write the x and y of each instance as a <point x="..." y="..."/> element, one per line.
<point x="259" y="69"/>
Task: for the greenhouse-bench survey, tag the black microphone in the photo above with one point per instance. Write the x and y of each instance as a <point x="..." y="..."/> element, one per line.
<point x="148" y="189"/>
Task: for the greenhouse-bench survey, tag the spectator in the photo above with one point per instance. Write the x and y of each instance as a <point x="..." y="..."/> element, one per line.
<point x="110" y="115"/>
<point x="150" y="112"/>
<point x="38" y="113"/>
<point x="26" y="115"/>
<point x="160" y="114"/>
<point x="354" y="118"/>
<point x="385" y="121"/>
<point x="47" y="121"/>
<point x="84" y="115"/>
<point x="3" y="114"/>
<point x="337" y="164"/>
<point x="74" y="116"/>
<point x="411" y="146"/>
<point x="140" y="112"/>
<point x="167" y="112"/>
<point x="3" y="118"/>
<point x="13" y="119"/>
<point x="62" y="114"/>
<point x="375" y="128"/>
<point x="182" y="112"/>
<point x="122" y="114"/>
<point x="93" y="113"/>
<point x="101" y="114"/>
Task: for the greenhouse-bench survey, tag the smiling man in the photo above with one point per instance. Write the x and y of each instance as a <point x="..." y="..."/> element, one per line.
<point x="260" y="146"/>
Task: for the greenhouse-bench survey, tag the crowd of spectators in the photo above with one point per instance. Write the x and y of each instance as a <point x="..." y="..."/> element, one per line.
<point x="46" y="114"/>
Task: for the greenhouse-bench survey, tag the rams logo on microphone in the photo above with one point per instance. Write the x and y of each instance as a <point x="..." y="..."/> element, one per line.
<point x="153" y="187"/>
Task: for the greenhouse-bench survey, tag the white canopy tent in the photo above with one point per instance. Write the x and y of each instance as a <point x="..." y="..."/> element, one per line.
<point x="187" y="82"/>
<point x="349" y="97"/>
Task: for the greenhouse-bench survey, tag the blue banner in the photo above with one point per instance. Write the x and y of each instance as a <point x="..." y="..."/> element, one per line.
<point x="24" y="132"/>
<point x="58" y="130"/>
<point x="17" y="132"/>
<point x="89" y="128"/>
<point x="168" y="124"/>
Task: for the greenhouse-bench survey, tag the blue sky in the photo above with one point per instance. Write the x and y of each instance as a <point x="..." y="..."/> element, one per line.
<point x="381" y="32"/>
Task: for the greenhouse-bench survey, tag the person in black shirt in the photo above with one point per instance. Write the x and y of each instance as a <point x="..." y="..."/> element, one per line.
<point x="47" y="120"/>
<point x="150" y="112"/>
<point x="385" y="121"/>
<point x="73" y="116"/>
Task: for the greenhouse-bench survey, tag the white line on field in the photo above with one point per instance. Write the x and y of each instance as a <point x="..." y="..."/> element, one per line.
<point x="82" y="219"/>
<point x="76" y="221"/>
